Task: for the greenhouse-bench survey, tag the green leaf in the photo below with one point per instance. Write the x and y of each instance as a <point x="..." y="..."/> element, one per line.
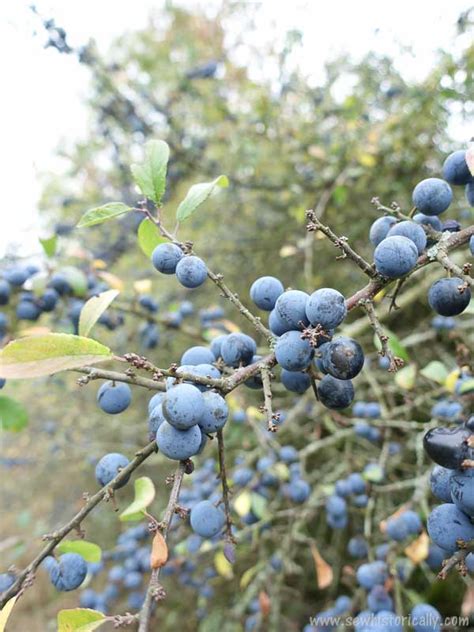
<point x="13" y="416"/>
<point x="35" y="356"/>
<point x="144" y="495"/>
<point x="198" y="194"/>
<point x="259" y="506"/>
<point x="149" y="237"/>
<point x="49" y="245"/>
<point x="80" y="620"/>
<point x="102" y="214"/>
<point x="435" y="371"/>
<point x="467" y="386"/>
<point x="88" y="550"/>
<point x="150" y="175"/>
<point x="394" y="345"/>
<point x="405" y="378"/>
<point x="6" y="611"/>
<point x="76" y="279"/>
<point x="93" y="310"/>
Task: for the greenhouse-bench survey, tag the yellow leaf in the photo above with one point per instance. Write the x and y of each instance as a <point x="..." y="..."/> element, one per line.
<point x="159" y="551"/>
<point x="6" y="611"/>
<point x="223" y="567"/>
<point x="248" y="576"/>
<point x="367" y="160"/>
<point x="229" y="325"/>
<point x="243" y="503"/>
<point x="256" y="414"/>
<point x="143" y="286"/>
<point x="112" y="280"/>
<point x="99" y="264"/>
<point x="450" y="381"/>
<point x="288" y="251"/>
<point x="379" y="296"/>
<point x="323" y="570"/>
<point x="417" y="550"/>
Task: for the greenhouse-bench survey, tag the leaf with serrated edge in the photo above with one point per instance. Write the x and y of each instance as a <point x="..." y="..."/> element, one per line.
<point x="13" y="415"/>
<point x="80" y="620"/>
<point x="101" y="214"/>
<point x="149" y="237"/>
<point x="93" y="310"/>
<point x="88" y="550"/>
<point x="150" y="175"/>
<point x="144" y="495"/>
<point x="5" y="612"/>
<point x="198" y="194"/>
<point x="35" y="356"/>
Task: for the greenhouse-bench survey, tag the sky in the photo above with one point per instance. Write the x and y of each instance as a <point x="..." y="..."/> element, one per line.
<point x="43" y="103"/>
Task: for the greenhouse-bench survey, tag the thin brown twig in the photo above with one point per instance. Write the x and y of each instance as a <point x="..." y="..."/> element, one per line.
<point x="267" y="396"/>
<point x="340" y="242"/>
<point x="225" y="486"/>
<point x="395" y="362"/>
<point x="154" y="590"/>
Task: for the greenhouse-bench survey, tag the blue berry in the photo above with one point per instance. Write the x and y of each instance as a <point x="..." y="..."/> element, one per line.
<point x="206" y="519"/>
<point x="395" y="256"/>
<point x="357" y="547"/>
<point x="432" y="196"/>
<point x="276" y="324"/>
<point x="183" y="406"/>
<point x="326" y="307"/>
<point x="440" y="483"/>
<point x="446" y="525"/>
<point x="198" y="355"/>
<point x="5" y="291"/>
<point x="291" y="309"/>
<point x="215" y="412"/>
<point x="425" y="618"/>
<point x="68" y="572"/>
<point x="412" y="231"/>
<point x="379" y="229"/>
<point x="295" y="381"/>
<point x="191" y="271"/>
<point x="372" y="574"/>
<point x="462" y="490"/>
<point x="342" y="358"/>
<point x="165" y="258"/>
<point x="265" y="291"/>
<point x="114" y="397"/>
<point x="292" y="352"/>
<point x="334" y="393"/>
<point x="378" y="599"/>
<point x="298" y="490"/>
<point x="455" y="169"/>
<point x="428" y="220"/>
<point x="178" y="445"/>
<point x="446" y="297"/>
<point x="238" y="349"/>
<point x="109" y="466"/>
<point x="155" y="419"/>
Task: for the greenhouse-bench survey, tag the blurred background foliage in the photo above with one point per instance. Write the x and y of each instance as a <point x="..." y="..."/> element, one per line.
<point x="286" y="146"/>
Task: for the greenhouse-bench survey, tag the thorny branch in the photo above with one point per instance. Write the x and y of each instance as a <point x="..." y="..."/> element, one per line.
<point x="395" y="362"/>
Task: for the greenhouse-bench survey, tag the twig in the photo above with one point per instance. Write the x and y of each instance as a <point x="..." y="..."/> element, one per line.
<point x="267" y="394"/>
<point x="154" y="590"/>
<point x="93" y="373"/>
<point x="395" y="362"/>
<point x="225" y="486"/>
<point x="452" y="267"/>
<point x="75" y="522"/>
<point x="457" y="559"/>
<point x="340" y="242"/>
